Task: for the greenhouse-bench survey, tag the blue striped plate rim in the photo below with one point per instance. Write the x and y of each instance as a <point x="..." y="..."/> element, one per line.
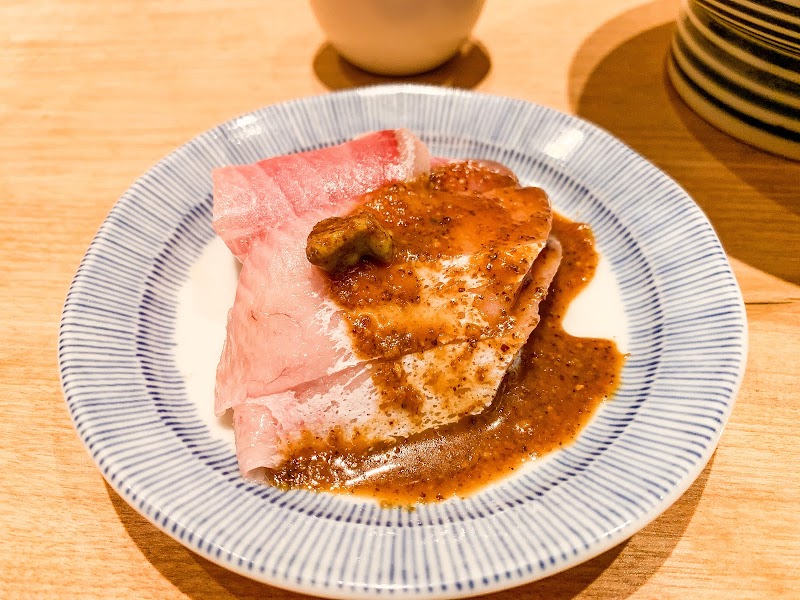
<point x="639" y="453"/>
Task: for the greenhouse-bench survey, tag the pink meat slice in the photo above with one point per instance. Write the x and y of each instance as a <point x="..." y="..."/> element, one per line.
<point x="453" y="381"/>
<point x="283" y="330"/>
<point x="288" y="365"/>
<point x="273" y="328"/>
<point x="253" y="201"/>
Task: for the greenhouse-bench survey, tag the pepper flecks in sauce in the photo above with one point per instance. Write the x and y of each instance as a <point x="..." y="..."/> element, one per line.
<point x="461" y="252"/>
<point x="444" y="321"/>
<point x="540" y="406"/>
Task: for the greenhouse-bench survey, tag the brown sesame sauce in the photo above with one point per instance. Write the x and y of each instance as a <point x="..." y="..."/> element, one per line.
<point x="539" y="407"/>
<point x="461" y="252"/>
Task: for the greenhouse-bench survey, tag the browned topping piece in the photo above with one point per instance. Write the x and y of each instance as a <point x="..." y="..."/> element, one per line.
<point x="337" y="243"/>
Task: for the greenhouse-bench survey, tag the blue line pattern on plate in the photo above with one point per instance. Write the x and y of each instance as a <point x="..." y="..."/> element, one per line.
<point x="642" y="449"/>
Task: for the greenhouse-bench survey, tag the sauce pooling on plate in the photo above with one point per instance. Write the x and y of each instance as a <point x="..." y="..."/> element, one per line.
<point x="540" y="404"/>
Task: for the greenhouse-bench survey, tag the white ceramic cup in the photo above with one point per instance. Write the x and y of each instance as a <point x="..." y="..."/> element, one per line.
<point x="397" y="37"/>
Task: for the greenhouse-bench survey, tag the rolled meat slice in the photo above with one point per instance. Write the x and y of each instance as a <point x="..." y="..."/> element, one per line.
<point x="462" y="256"/>
<point x="375" y="352"/>
<point x="384" y="400"/>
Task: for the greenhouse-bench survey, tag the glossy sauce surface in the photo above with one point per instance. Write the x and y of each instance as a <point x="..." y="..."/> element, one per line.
<point x="538" y="408"/>
<point x="464" y="239"/>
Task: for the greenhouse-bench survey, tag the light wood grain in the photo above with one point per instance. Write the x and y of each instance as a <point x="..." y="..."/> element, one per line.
<point x="91" y="94"/>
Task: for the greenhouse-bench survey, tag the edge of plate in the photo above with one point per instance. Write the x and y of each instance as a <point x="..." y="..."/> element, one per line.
<point x="609" y="542"/>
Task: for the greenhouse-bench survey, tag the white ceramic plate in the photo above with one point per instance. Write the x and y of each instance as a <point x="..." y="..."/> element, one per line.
<point x="138" y="407"/>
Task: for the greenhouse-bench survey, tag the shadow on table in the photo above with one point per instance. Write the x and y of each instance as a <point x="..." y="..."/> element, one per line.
<point x="465" y="70"/>
<point x="618" y="572"/>
<point x="618" y="80"/>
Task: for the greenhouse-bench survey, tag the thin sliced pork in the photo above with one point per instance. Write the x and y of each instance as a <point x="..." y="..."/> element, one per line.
<point x="378" y="352"/>
<point x="290" y="325"/>
<point x="389" y="399"/>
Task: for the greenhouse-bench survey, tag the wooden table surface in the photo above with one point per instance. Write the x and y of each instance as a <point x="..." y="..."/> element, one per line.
<point x="93" y="93"/>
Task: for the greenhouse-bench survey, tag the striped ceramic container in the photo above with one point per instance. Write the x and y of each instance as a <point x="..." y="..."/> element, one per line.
<point x="737" y="64"/>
